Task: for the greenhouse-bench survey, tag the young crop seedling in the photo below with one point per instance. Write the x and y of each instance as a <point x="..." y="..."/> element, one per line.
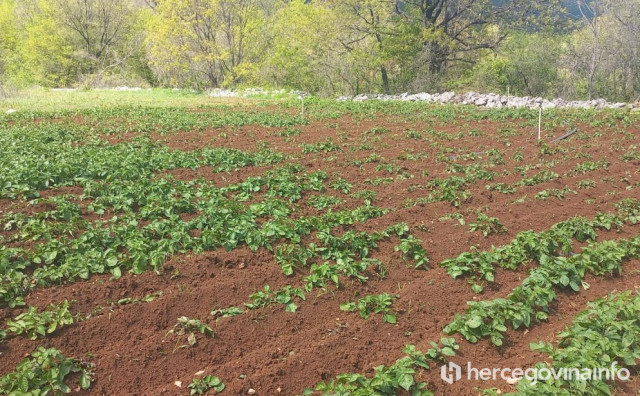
<point x="586" y="184"/>
<point x="341" y="185"/>
<point x="379" y="304"/>
<point x="146" y="299"/>
<point x="189" y="327"/>
<point x="629" y="209"/>
<point x="396" y="379"/>
<point x="602" y="336"/>
<point x="501" y="188"/>
<point x="448" y="349"/>
<point x="323" y="201"/>
<point x="412" y="249"/>
<point x="200" y="386"/>
<point x="285" y="296"/>
<point x="411" y="134"/>
<point x="44" y="372"/>
<point x="554" y="192"/>
<point x="226" y="312"/>
<point x="326" y="146"/>
<point x="487" y="225"/>
<point x="35" y="324"/>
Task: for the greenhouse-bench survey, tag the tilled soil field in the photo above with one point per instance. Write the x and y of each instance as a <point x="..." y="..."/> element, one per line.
<point x="258" y="228"/>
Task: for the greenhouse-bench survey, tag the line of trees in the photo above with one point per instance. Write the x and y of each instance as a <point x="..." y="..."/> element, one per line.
<point x="328" y="47"/>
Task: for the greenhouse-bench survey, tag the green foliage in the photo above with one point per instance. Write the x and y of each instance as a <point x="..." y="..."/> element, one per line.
<point x="527" y="246"/>
<point x="487" y="225"/>
<point x="541" y="177"/>
<point x="227" y="312"/>
<point x="34" y="324"/>
<point x="530" y="301"/>
<point x="379" y="304"/>
<point x="629" y="210"/>
<point x="412" y="249"/>
<point x="200" y="386"/>
<point x="607" y="332"/>
<point x="501" y="188"/>
<point x="286" y="296"/>
<point x="585" y="184"/>
<point x="324" y="201"/>
<point x="146" y="299"/>
<point x="44" y="372"/>
<point x="189" y="327"/>
<point x="325" y="146"/>
<point x="555" y="192"/>
<point x="589" y="166"/>
<point x="391" y="380"/>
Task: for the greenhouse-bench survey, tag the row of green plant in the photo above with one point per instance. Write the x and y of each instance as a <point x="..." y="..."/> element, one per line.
<point x="530" y="302"/>
<point x="397" y="378"/>
<point x="45" y="371"/>
<point x="32" y="163"/>
<point x="223" y="222"/>
<point x="344" y="256"/>
<point x="155" y="119"/>
<point x="605" y="336"/>
<point x="479" y="266"/>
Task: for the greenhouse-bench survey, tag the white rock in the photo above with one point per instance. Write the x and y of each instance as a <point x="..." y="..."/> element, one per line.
<point x="512" y="381"/>
<point x="11" y="111"/>
<point x="490" y="100"/>
<point x="447" y="96"/>
<point x="480" y="101"/>
<point x="548" y="105"/>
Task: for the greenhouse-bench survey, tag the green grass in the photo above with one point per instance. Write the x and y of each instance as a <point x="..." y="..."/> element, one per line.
<point x="39" y="99"/>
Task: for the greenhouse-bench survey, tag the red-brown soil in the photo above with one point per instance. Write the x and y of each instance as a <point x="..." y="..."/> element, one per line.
<point x="275" y="352"/>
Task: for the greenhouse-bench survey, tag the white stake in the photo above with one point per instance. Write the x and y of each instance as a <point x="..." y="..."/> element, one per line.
<point x="540" y="123"/>
<point x="302" y="100"/>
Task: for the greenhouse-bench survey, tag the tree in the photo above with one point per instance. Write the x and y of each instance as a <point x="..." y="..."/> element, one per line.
<point x="8" y="35"/>
<point x="454" y="28"/>
<point x="201" y="42"/>
<point x="590" y="13"/>
<point x="100" y="25"/>
<point x="604" y="54"/>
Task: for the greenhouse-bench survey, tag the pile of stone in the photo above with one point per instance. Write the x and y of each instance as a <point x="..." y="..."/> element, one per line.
<point x="494" y="101"/>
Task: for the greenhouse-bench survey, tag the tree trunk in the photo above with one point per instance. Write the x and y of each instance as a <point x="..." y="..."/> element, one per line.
<point x="385" y="80"/>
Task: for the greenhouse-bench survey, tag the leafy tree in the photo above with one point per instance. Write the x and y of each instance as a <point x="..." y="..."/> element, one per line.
<point x="201" y="42"/>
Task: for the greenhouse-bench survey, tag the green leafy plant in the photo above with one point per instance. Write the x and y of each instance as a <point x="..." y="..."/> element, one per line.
<point x="554" y="192"/>
<point x="189" y="327"/>
<point x="608" y="331"/>
<point x="227" y="312"/>
<point x="325" y="146"/>
<point x="200" y="386"/>
<point x="34" y="323"/>
<point x="146" y="299"/>
<point x="487" y="225"/>
<point x="586" y="184"/>
<point x="397" y="378"/>
<point x="412" y="249"/>
<point x="530" y="301"/>
<point x="285" y="296"/>
<point x="501" y="188"/>
<point x="44" y="372"/>
<point x="379" y="304"/>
